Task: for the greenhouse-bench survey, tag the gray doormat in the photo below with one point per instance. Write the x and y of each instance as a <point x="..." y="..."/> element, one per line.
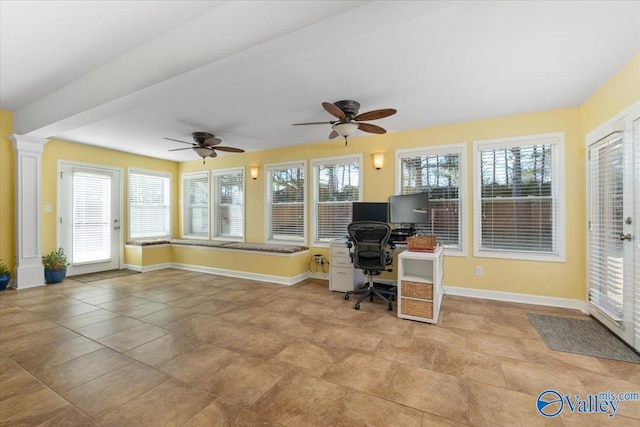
<point x="582" y="336"/>
<point x="92" y="277"/>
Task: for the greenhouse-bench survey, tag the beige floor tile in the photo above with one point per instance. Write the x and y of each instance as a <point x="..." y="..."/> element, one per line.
<point x="406" y="349"/>
<point x="141" y="310"/>
<point x="161" y="350"/>
<point x="244" y="380"/>
<point x="196" y="366"/>
<point x="108" y="327"/>
<point x="69" y="416"/>
<point x="534" y="378"/>
<point x="309" y="358"/>
<point x="170" y="404"/>
<point x="14" y="380"/>
<point x="261" y="343"/>
<point x="165" y="317"/>
<point x="19" y="317"/>
<point x="429" y="391"/>
<point x="76" y="322"/>
<point x="18" y="330"/>
<point x="52" y="354"/>
<point x="108" y="392"/>
<point x="299" y="400"/>
<point x="62" y="312"/>
<point x="466" y="364"/>
<point x="471" y="322"/>
<point x="440" y="334"/>
<point x="31" y="409"/>
<point x="498" y="345"/>
<point x="33" y="341"/>
<point x="221" y="413"/>
<point x="131" y="338"/>
<point x="363" y="340"/>
<point x="363" y="372"/>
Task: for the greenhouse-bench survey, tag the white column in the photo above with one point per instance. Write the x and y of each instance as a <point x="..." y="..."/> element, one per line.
<point x="29" y="270"/>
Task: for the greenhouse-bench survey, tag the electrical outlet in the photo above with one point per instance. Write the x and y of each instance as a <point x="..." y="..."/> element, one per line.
<point x="478" y="270"/>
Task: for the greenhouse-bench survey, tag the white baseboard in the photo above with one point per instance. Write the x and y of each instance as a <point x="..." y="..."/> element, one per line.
<point x="320" y="276"/>
<point x="146" y="268"/>
<point x="519" y="298"/>
<point x="242" y="274"/>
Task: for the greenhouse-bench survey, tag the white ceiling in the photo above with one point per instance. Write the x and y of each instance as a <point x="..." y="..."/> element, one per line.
<point x="125" y="74"/>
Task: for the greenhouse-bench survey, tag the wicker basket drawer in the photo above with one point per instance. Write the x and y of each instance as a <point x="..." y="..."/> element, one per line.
<point x="417" y="308"/>
<point x="416" y="290"/>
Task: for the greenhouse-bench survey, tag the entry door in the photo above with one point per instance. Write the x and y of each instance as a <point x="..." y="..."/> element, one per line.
<point x="89" y="224"/>
<point x="613" y="240"/>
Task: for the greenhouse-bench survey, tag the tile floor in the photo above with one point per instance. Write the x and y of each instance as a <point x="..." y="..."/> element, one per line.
<point x="178" y="348"/>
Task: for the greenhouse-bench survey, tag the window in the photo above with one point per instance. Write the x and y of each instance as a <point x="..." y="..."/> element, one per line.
<point x="336" y="184"/>
<point x="228" y="216"/>
<point x="285" y="202"/>
<point x="195" y="205"/>
<point x="441" y="171"/>
<point x="149" y="204"/>
<point x="519" y="200"/>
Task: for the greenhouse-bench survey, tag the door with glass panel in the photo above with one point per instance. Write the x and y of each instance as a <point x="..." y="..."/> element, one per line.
<point x="89" y="228"/>
<point x="614" y="225"/>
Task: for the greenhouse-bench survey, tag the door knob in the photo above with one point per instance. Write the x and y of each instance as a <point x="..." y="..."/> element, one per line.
<point x="117" y="227"/>
<point x="625" y="237"/>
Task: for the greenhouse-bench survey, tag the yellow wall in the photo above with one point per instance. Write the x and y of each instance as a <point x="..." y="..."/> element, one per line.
<point x="7" y="191"/>
<point x="56" y="150"/>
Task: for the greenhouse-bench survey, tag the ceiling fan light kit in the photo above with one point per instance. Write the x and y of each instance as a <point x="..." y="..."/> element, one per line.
<point x="349" y="120"/>
<point x="205" y="145"/>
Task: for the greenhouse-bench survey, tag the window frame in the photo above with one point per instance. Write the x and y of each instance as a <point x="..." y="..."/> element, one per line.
<point x="325" y="161"/>
<point x="185" y="176"/>
<point x="268" y="168"/>
<point x="557" y="142"/>
<point x="149" y="172"/>
<point x="441" y="150"/>
<point x="215" y="204"/>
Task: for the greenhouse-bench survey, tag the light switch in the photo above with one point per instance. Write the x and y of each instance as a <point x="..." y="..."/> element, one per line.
<point x="47" y="208"/>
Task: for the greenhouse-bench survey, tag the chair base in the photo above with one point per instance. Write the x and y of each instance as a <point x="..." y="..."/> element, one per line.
<point x="370" y="292"/>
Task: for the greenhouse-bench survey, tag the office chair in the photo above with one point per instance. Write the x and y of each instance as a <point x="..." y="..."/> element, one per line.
<point x="369" y="240"/>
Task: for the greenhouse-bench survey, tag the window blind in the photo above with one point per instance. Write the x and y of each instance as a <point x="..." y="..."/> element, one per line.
<point x="229" y="204"/>
<point x="440" y="175"/>
<point x="195" y="205"/>
<point x="518" y="199"/>
<point x="285" y="202"/>
<point x="336" y="186"/>
<point x="91" y="217"/>
<point x="606" y="260"/>
<point x="149" y="205"/>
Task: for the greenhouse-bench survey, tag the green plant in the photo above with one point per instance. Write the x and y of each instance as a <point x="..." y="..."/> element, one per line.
<point x="3" y="268"/>
<point x="55" y="260"/>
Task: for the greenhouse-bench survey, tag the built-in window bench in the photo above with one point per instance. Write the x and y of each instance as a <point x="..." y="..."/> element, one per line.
<point x="284" y="264"/>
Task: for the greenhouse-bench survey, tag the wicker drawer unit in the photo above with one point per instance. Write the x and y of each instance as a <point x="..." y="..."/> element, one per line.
<point x="420" y="285"/>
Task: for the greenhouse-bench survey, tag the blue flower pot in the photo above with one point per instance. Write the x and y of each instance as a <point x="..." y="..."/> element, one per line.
<point x="4" y="280"/>
<point x="54" y="276"/>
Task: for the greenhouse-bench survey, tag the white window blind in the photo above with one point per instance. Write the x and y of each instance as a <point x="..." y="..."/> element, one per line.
<point x="336" y="185"/>
<point x="518" y="200"/>
<point x="91" y="217"/>
<point x="149" y="204"/>
<point x="438" y="171"/>
<point x="285" y="202"/>
<point x="195" y="205"/>
<point x="606" y="258"/>
<point x="228" y="217"/>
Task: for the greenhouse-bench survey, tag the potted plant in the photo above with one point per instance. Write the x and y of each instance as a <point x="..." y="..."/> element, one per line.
<point x="5" y="276"/>
<point x="55" y="266"/>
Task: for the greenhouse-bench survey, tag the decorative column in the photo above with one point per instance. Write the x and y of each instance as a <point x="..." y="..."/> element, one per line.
<point x="29" y="270"/>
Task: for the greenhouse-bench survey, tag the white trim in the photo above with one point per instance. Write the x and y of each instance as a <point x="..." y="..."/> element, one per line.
<point x="557" y="142"/>
<point x="242" y="274"/>
<point x="518" y="298"/>
<point x="182" y="204"/>
<point x="437" y="150"/>
<point x="616" y="123"/>
<point x="214" y="204"/>
<point x="162" y="245"/>
<point x="267" y="201"/>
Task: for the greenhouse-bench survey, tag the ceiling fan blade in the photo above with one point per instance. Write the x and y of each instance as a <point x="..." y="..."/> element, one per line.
<point x="179" y="149"/>
<point x="368" y="127"/>
<point x="375" y="114"/>
<point x="213" y="154"/>
<point x="333" y="134"/>
<point x="334" y="111"/>
<point x="229" y="149"/>
<point x="177" y="140"/>
<point x="313" y="123"/>
<point x="212" y="141"/>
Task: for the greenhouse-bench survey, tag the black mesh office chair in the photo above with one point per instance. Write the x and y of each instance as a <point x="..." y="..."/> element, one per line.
<point x="369" y="240"/>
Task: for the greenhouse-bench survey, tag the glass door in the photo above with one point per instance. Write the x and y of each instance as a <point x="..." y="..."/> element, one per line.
<point x="89" y="224"/>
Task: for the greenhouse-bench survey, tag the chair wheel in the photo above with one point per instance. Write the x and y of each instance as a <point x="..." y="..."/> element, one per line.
<point x="390" y="307"/>
<point x="371" y="298"/>
<point x="357" y="307"/>
<point x="346" y="297"/>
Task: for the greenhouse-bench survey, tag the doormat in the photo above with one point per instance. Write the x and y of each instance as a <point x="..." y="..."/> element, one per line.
<point x="102" y="275"/>
<point x="581" y="336"/>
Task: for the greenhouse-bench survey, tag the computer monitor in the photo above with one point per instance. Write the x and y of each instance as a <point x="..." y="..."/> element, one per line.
<point x="409" y="209"/>
<point x="369" y="211"/>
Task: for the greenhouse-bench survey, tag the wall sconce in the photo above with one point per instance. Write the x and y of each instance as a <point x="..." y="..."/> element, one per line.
<point x="254" y="172"/>
<point x="378" y="160"/>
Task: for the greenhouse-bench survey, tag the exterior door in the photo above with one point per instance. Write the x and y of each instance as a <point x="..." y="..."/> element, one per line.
<point x="89" y="228"/>
<point x="613" y="251"/>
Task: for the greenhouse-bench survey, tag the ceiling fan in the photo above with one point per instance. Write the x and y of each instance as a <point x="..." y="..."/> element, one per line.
<point x="349" y="120"/>
<point x="205" y="145"/>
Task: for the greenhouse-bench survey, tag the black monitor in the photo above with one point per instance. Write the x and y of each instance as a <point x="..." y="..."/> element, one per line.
<point x="409" y="209"/>
<point x="369" y="211"/>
